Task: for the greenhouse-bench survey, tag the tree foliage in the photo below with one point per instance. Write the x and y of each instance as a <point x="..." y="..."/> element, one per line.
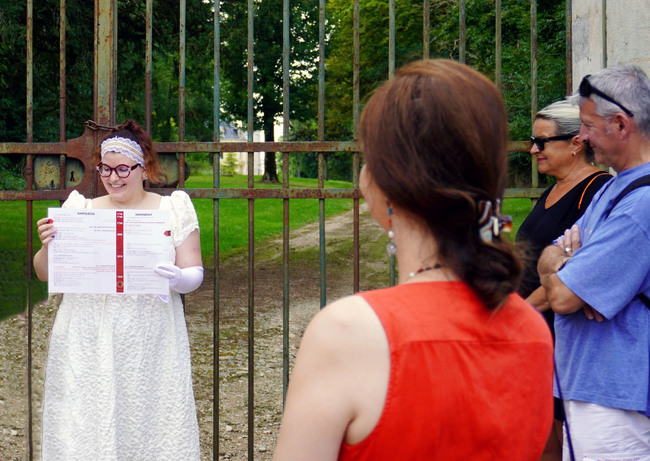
<point x="268" y="46"/>
<point x="267" y="61"/>
<point x="79" y="63"/>
<point x="444" y="43"/>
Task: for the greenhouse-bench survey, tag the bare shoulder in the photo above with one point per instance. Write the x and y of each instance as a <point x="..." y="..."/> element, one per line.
<point x="152" y="200"/>
<point x="102" y="202"/>
<point x="341" y="340"/>
<point x="338" y="384"/>
<point x="346" y="345"/>
<point x="345" y="323"/>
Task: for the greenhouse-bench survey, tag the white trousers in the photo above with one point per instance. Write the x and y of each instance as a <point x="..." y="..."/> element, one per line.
<point x="601" y="433"/>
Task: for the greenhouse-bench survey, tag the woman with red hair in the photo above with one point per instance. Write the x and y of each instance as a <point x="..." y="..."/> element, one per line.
<point x="450" y="364"/>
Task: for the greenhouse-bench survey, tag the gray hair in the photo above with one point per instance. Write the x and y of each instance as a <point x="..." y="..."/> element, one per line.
<point x="565" y="114"/>
<point x="630" y="86"/>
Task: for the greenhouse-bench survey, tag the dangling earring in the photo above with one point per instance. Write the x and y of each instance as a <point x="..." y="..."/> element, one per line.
<point x="391" y="248"/>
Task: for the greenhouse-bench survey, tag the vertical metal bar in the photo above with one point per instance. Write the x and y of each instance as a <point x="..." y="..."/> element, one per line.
<point x="321" y="70"/>
<point x="251" y="239"/>
<point x="105" y="67"/>
<point x="62" y="177"/>
<point x="216" y="94"/>
<point x="251" y="310"/>
<point x="461" y="31"/>
<point x="216" y="312"/>
<point x="391" y="38"/>
<point x="29" y="77"/>
<point x="321" y="232"/>
<point x="355" y="223"/>
<point x="391" y="74"/>
<point x="355" y="160"/>
<point x="569" y="48"/>
<point x="96" y="61"/>
<point x="533" y="81"/>
<point x="62" y="93"/>
<point x="604" y="26"/>
<point x="216" y="179"/>
<point x="356" y="112"/>
<point x="498" y="54"/>
<point x="30" y="318"/>
<point x="29" y="71"/>
<point x="286" y="56"/>
<point x="285" y="277"/>
<point x="250" y="74"/>
<point x="181" y="71"/>
<point x="426" y="28"/>
<point x="62" y="72"/>
<point x="114" y="46"/>
<point x="321" y="156"/>
<point x="181" y="91"/>
<point x="148" y="65"/>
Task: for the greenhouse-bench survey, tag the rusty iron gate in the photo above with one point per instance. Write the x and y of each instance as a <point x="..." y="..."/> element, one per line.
<point x="104" y="114"/>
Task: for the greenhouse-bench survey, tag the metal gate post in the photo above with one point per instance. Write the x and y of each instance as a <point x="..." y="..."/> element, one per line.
<point x="105" y="61"/>
<point x="105" y="78"/>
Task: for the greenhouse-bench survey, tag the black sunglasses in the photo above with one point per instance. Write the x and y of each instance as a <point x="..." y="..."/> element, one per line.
<point x="586" y="89"/>
<point x="541" y="141"/>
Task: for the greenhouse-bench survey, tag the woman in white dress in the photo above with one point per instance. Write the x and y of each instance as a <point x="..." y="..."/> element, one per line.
<point x="118" y="380"/>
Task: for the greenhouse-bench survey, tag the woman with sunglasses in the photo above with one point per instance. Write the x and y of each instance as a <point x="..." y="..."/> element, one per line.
<point x="118" y="381"/>
<point x="450" y="364"/>
<point x="560" y="153"/>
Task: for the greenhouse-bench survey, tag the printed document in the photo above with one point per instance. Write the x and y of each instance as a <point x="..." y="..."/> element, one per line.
<point x="108" y="251"/>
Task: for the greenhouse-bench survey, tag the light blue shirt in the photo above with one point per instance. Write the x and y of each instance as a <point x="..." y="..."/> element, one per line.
<point x="608" y="363"/>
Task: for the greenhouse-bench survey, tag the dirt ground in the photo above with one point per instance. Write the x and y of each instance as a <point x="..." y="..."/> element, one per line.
<point x="234" y="347"/>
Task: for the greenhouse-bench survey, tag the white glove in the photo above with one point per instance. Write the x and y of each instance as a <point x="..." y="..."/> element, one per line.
<point x="181" y="280"/>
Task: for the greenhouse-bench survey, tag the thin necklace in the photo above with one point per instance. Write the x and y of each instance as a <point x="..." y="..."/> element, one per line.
<point x="423" y="269"/>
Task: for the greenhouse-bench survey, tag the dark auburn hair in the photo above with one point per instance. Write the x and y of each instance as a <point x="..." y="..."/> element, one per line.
<point x="132" y="130"/>
<point x="434" y="141"/>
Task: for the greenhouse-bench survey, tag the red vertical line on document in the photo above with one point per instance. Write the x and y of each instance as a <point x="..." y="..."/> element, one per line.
<point x="119" y="252"/>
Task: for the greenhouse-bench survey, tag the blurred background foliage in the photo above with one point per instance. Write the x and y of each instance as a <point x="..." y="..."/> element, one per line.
<point x="338" y="111"/>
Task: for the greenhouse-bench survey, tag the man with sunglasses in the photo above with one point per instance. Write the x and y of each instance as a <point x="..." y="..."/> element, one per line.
<point x="596" y="275"/>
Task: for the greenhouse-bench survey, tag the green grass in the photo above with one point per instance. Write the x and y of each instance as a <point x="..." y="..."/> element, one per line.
<point x="518" y="208"/>
<point x="14" y="283"/>
<point x="233" y="213"/>
<point x="233" y="229"/>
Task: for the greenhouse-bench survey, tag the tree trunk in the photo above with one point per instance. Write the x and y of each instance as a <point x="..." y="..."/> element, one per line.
<point x="270" y="168"/>
<point x="270" y="172"/>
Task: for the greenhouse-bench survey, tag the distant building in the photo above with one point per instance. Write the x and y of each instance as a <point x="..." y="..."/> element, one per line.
<point x="230" y="133"/>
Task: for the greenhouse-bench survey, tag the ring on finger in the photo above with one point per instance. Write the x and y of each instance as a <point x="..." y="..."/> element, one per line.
<point x="567" y="250"/>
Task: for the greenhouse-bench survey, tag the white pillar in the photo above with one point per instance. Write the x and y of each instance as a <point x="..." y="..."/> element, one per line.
<point x="620" y="36"/>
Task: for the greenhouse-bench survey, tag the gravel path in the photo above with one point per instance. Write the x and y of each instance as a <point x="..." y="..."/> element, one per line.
<point x="233" y="344"/>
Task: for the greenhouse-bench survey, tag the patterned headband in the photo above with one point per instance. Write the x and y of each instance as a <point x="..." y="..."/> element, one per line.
<point x="124" y="146"/>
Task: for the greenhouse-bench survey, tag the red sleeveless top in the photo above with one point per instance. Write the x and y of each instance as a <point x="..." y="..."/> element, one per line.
<point x="465" y="383"/>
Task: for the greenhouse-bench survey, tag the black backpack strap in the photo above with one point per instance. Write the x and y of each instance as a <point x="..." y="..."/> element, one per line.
<point x="639" y="182"/>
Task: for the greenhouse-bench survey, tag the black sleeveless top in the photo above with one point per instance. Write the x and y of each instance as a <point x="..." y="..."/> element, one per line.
<point x="543" y="225"/>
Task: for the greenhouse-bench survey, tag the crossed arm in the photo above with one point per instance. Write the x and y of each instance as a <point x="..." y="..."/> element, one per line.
<point x="553" y="258"/>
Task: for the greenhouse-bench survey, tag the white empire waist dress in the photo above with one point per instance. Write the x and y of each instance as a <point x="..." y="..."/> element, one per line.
<point x="118" y="383"/>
